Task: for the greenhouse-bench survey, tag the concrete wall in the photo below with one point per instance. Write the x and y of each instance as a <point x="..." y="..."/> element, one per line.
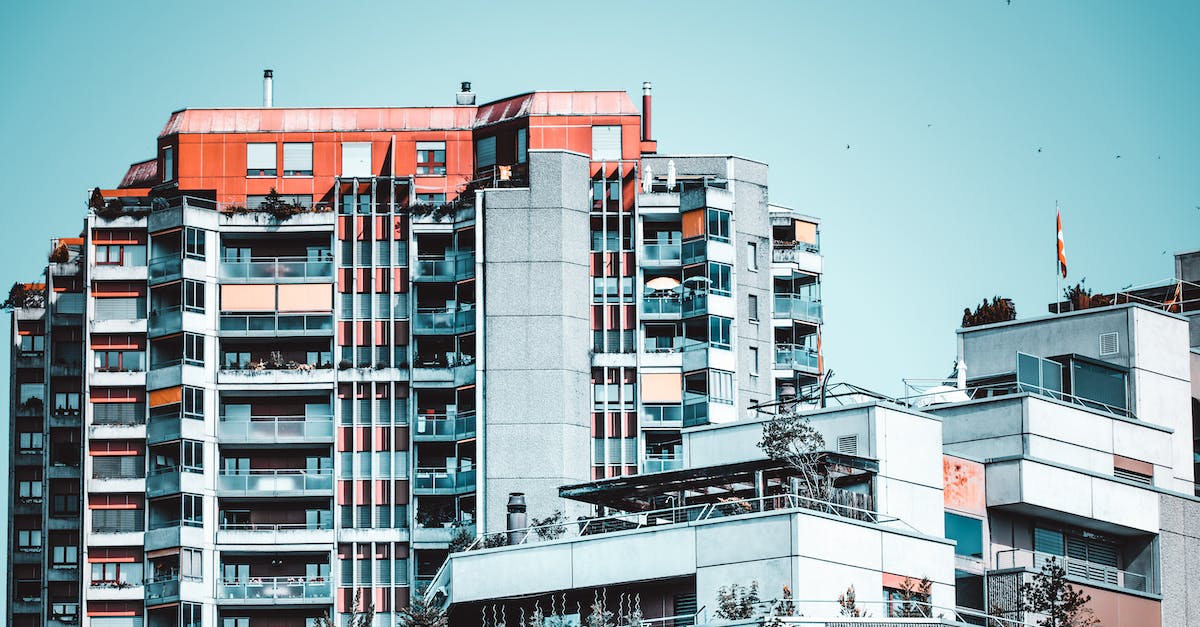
<point x="1179" y="547"/>
<point x="536" y="337"/>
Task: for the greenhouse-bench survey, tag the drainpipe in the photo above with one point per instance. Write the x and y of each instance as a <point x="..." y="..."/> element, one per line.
<point x="517" y="519"/>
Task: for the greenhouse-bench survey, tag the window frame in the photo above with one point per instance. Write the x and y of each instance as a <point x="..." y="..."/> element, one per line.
<point x="193" y="296"/>
<point x="428" y="163"/>
<point x="259" y="173"/>
<point x="297" y="173"/>
<point x="194" y="243"/>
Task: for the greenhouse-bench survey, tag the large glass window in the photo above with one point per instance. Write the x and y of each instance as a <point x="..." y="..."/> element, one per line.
<point x="721" y="278"/>
<point x="967" y="532"/>
<point x="260" y="159"/>
<point x="297" y="159"/>
<point x="1040" y="376"/>
<point x="718" y="225"/>
<point x="1105" y="387"/>
<point x="720" y="332"/>
<point x="431" y="157"/>
<point x="194" y="243"/>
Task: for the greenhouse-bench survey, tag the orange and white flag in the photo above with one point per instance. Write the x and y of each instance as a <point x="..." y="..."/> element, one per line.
<point x="1062" y="251"/>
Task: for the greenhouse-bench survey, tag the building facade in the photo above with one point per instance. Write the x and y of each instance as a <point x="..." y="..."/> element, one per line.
<point x="296" y="352"/>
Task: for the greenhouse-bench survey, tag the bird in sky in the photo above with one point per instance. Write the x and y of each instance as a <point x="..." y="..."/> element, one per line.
<point x="1118" y="156"/>
<point x="847" y="146"/>
<point x="1039" y="148"/>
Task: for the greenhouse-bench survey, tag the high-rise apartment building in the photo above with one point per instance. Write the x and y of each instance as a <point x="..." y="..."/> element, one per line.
<point x="295" y="352"/>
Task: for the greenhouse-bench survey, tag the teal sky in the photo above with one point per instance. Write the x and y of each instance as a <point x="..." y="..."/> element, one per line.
<point x="941" y="200"/>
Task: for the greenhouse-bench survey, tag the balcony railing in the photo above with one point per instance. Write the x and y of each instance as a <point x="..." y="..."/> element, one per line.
<point x="275" y="481"/>
<point x="795" y="357"/>
<point x="662" y="415"/>
<point x="657" y="305"/>
<point x="662" y="253"/>
<point x="162" y="587"/>
<point x="788" y="252"/>
<point x="165" y="319"/>
<point x="441" y="268"/>
<point x="165" y="267"/>
<point x="444" y="426"/>
<point x="283" y="269"/>
<point x="323" y="525"/>
<point x="1077" y="568"/>
<point x="279" y="324"/>
<point x="444" y="480"/>
<point x="275" y="588"/>
<point x="796" y="307"/>
<point x="443" y="320"/>
<point x="661" y="462"/>
<point x="276" y="428"/>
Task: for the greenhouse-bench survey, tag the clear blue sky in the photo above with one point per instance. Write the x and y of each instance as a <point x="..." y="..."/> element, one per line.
<point x="942" y="199"/>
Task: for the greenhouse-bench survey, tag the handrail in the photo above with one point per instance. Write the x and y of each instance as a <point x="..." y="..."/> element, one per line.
<point x="323" y="526"/>
<point x="821" y="611"/>
<point x="974" y="392"/>
<point x="1074" y="567"/>
<point x="275" y="472"/>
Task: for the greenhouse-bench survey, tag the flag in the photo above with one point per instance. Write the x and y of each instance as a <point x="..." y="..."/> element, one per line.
<point x="1062" y="252"/>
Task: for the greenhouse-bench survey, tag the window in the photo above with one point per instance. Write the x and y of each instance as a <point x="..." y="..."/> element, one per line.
<point x="356" y="159"/>
<point x="720" y="387"/>
<point x="120" y="255"/>
<point x="967" y="532"/>
<point x="718" y="225"/>
<point x="33" y="343"/>
<point x="29" y="539"/>
<point x="431" y="157"/>
<point x="190" y="614"/>
<point x="193" y="349"/>
<point x="260" y="159"/>
<point x="522" y="145"/>
<point x="720" y="332"/>
<point x="110" y="574"/>
<point x="297" y="159"/>
<point x="30" y="489"/>
<point x="1094" y="382"/>
<point x="192" y="454"/>
<point x="434" y="200"/>
<point x="754" y="361"/>
<point x="1076" y="545"/>
<point x="168" y="171"/>
<point x="1040" y="376"/>
<point x="752" y="255"/>
<point x="193" y="403"/>
<point x="29" y="442"/>
<point x="235" y="621"/>
<point x="64" y="556"/>
<point x="752" y="306"/>
<point x="193" y="296"/>
<point x="720" y="278"/>
<point x="485" y="152"/>
<point x="194" y="243"/>
<point x="191" y="564"/>
<point x="64" y="504"/>
<point x="66" y="403"/>
<point x="606" y="143"/>
<point x="119" y="361"/>
<point x="193" y="510"/>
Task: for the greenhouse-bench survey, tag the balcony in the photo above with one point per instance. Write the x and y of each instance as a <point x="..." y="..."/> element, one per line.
<point x="119" y="272"/>
<point x="448" y="268"/>
<point x="162" y="589"/>
<point x="443" y="481"/>
<point x="165" y="320"/>
<point x="257" y="590"/>
<point x="660" y="253"/>
<point x="805" y="255"/>
<point x="443" y="321"/>
<point x="661" y="462"/>
<point x="444" y="427"/>
<point x="286" y="482"/>
<point x="165" y="268"/>
<point x="302" y="373"/>
<point x="276" y="324"/>
<point x="795" y="357"/>
<point x="276" y="429"/>
<point x="163" y="480"/>
<point x="277" y="534"/>
<point x="795" y="307"/>
<point x="1079" y="570"/>
<point x="658" y="307"/>
<point x="454" y="368"/>
<point x="277" y="270"/>
<point x="665" y="416"/>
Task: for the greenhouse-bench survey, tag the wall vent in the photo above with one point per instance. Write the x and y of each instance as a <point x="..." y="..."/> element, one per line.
<point x="1129" y="475"/>
<point x="847" y="444"/>
<point x="1109" y="344"/>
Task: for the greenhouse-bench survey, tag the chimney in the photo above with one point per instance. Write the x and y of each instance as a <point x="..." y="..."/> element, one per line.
<point x="646" y="112"/>
<point x="517" y="520"/>
<point x="466" y="97"/>
<point x="268" y="92"/>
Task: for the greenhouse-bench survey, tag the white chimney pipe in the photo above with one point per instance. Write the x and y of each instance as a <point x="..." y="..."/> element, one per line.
<point x="268" y="95"/>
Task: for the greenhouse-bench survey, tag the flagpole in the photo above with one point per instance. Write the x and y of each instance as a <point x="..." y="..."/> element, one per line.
<point x="1057" y="262"/>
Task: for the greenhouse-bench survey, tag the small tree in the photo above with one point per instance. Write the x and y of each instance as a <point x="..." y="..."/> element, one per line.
<point x="914" y="598"/>
<point x="1051" y="595"/>
<point x="551" y="527"/>
<point x="848" y="602"/>
<point x="96" y="200"/>
<point x="460" y="540"/>
<point x="23" y="295"/>
<point x="783" y="606"/>
<point x="1081" y="297"/>
<point x="60" y="254"/>
<point x="998" y="310"/>
<point x="420" y="614"/>
<point x="363" y="618"/>
<point x="790" y="438"/>
<point x="736" y="602"/>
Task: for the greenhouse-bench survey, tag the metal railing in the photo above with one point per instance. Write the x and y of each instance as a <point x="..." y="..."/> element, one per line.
<point x="165" y="319"/>
<point x="268" y="588"/>
<point x="791" y="252"/>
<point x="163" y="267"/>
<point x="275" y="428"/>
<point x="662" y="414"/>
<point x="913" y="612"/>
<point x="975" y="392"/>
<point x="1081" y="569"/>
<point x="458" y="425"/>
<point x="162" y="586"/>
<point x="449" y="268"/>
<point x="658" y="305"/>
<point x="795" y="356"/>
<point x="275" y="323"/>
<point x="278" y="268"/>
<point x="668" y="253"/>
<point x="662" y="462"/>
<point x="796" y="307"/>
<point x="275" y="481"/>
<point x="455" y="320"/>
<point x="443" y="479"/>
<point x="323" y="525"/>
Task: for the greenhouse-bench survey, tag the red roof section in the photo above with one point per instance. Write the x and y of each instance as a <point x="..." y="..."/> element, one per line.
<point x="281" y="120"/>
<point x="141" y="174"/>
